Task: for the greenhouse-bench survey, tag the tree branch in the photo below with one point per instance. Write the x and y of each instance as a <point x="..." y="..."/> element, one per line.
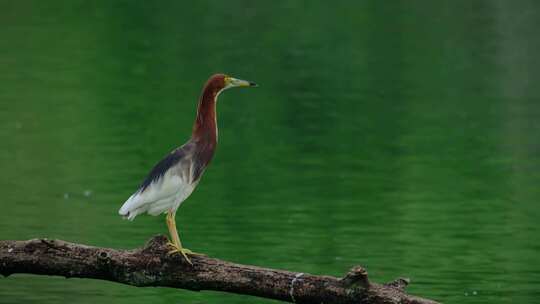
<point x="153" y="266"/>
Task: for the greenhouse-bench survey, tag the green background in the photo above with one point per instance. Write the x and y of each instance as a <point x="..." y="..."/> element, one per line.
<point x="399" y="135"/>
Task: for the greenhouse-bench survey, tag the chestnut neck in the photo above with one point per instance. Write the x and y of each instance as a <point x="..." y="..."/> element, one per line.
<point x="205" y="126"/>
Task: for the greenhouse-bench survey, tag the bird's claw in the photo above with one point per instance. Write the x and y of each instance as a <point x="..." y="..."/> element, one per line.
<point x="183" y="251"/>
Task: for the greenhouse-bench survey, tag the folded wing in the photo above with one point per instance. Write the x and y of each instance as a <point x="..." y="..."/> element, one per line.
<point x="167" y="185"/>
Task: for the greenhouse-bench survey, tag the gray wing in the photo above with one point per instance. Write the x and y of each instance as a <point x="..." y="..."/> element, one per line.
<point x="180" y="158"/>
<point x="166" y="182"/>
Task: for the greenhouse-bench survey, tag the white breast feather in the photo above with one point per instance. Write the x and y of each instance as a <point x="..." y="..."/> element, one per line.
<point x="168" y="192"/>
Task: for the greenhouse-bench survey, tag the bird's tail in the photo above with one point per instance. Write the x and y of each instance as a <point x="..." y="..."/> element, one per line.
<point x="130" y="209"/>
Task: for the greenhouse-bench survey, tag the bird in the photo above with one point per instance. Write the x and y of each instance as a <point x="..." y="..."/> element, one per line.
<point x="172" y="180"/>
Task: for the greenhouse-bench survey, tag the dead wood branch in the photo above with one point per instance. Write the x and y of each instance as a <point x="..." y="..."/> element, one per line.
<point x="152" y="266"/>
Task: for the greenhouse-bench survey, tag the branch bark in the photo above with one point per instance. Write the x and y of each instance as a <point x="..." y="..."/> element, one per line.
<point x="153" y="266"/>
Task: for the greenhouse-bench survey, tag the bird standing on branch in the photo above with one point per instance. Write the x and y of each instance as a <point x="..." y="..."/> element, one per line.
<point x="175" y="177"/>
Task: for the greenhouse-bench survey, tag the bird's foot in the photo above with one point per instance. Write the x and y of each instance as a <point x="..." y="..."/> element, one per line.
<point x="183" y="251"/>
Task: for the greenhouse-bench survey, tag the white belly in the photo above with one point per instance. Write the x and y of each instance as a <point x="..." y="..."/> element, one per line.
<point x="159" y="197"/>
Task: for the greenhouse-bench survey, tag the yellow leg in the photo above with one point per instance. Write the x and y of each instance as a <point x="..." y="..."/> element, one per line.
<point x="176" y="244"/>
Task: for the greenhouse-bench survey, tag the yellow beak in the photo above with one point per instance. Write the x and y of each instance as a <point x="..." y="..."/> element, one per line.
<point x="234" y="82"/>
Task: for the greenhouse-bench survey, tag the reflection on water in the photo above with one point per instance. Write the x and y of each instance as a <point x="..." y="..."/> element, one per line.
<point x="397" y="136"/>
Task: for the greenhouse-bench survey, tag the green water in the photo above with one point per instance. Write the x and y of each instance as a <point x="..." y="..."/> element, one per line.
<point x="402" y="136"/>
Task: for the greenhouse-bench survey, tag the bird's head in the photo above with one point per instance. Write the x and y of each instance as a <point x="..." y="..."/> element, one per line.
<point x="220" y="82"/>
